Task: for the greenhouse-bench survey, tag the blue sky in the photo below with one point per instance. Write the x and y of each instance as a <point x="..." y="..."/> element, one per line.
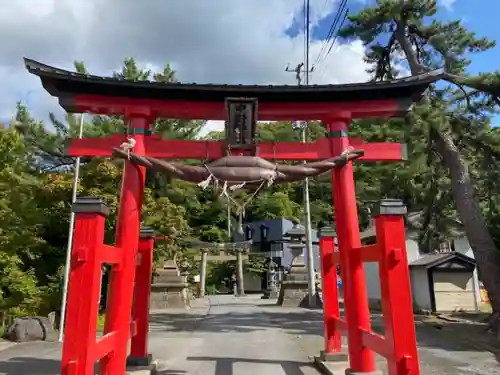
<point x="480" y="16"/>
<point x="481" y="19"/>
<point x="260" y="59"/>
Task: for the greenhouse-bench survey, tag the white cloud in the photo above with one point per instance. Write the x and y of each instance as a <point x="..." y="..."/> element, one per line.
<point x="212" y="125"/>
<point x="448" y="4"/>
<point x="217" y="41"/>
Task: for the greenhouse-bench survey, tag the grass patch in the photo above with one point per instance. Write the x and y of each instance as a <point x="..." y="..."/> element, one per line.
<point x="100" y="322"/>
<point x="485" y="307"/>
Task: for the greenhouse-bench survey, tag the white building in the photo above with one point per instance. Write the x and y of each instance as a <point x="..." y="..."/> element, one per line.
<point x="446" y="280"/>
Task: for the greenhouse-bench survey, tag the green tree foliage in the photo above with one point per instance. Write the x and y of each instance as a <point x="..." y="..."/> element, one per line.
<point x="36" y="176"/>
<point x="451" y="123"/>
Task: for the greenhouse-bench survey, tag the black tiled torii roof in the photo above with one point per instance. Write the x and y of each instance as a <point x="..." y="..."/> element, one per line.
<point x="63" y="83"/>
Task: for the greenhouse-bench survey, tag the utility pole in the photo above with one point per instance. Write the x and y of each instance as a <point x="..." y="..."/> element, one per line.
<point x="67" y="264"/>
<point x="307" y="39"/>
<point x="307" y="204"/>
<point x="229" y="219"/>
<point x="305" y="69"/>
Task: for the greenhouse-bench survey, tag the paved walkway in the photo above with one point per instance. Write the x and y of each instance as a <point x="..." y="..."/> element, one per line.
<point x="224" y="335"/>
<point x="236" y="337"/>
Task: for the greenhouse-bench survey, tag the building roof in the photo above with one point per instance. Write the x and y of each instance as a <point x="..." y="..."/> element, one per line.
<point x="433" y="260"/>
<point x="65" y="85"/>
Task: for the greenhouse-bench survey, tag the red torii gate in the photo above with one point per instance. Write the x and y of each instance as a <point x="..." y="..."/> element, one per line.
<point x="141" y="103"/>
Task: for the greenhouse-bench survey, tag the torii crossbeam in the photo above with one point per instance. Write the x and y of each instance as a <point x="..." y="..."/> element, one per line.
<point x="157" y="147"/>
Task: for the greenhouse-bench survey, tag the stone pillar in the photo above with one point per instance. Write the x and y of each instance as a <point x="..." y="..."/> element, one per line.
<point x="203" y="272"/>
<point x="240" y="289"/>
<point x="169" y="288"/>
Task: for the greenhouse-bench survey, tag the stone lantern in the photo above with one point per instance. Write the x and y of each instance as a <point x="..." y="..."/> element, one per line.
<point x="296" y="243"/>
<point x="294" y="288"/>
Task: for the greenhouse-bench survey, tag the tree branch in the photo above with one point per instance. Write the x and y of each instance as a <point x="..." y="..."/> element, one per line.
<point x="400" y="35"/>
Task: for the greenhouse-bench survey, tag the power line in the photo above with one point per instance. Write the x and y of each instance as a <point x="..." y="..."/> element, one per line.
<point x="344" y="17"/>
<point x="329" y="34"/>
<point x="303" y="67"/>
<point x="305" y="6"/>
<point x="327" y="63"/>
<point x="332" y="32"/>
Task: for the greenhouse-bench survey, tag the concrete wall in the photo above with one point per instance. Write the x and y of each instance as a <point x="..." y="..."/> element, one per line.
<point x="252" y="282"/>
<point x="372" y="271"/>
<point x="420" y="288"/>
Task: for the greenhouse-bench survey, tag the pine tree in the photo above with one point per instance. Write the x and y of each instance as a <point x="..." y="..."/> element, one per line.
<point x="450" y="114"/>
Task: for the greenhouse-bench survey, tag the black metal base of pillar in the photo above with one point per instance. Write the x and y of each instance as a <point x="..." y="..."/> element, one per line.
<point x="139" y="361"/>
<point x="350" y="372"/>
<point x="333" y="357"/>
<point x="330" y="367"/>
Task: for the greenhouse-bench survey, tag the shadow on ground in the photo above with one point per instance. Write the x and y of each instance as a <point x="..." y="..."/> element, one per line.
<point x="452" y="337"/>
<point x="26" y="365"/>
<point x="225" y="365"/>
<point x="33" y="366"/>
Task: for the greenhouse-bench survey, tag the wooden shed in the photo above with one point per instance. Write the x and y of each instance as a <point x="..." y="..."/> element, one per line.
<point x="444" y="282"/>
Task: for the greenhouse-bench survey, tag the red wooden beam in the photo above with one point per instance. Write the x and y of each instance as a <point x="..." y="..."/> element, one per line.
<point x="183" y="109"/>
<point x="340" y="325"/>
<point x="209" y="150"/>
<point x="377" y="343"/>
<point x="104" y="345"/>
<point x="369" y="253"/>
<point x="111" y="254"/>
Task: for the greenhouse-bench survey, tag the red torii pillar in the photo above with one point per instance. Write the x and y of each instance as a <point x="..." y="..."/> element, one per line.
<point x="331" y="309"/>
<point x="139" y="355"/>
<point x="398" y="344"/>
<point x="362" y="359"/>
<point x="119" y="307"/>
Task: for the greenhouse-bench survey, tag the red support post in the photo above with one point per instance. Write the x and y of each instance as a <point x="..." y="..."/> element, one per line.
<point x="84" y="287"/>
<point x="139" y="355"/>
<point x="397" y="305"/>
<point x="361" y="358"/>
<point x="119" y="309"/>
<point x="331" y="308"/>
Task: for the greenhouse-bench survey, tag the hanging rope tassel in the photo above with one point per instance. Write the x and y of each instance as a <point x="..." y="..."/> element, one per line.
<point x="224" y="190"/>
<point x="204" y="184"/>
<point x="270" y="181"/>
<point x="128" y="146"/>
<point x="236" y="187"/>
